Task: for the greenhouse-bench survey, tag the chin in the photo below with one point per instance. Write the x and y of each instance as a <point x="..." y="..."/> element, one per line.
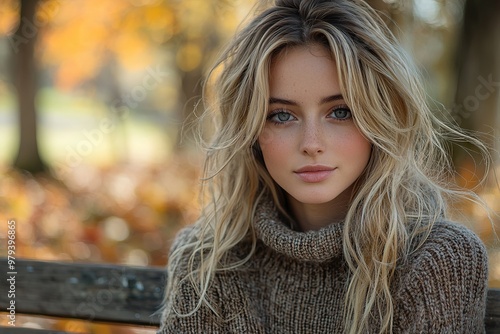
<point x="315" y="199"/>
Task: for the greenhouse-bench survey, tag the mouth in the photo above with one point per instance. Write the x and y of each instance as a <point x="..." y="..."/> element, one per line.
<point x="314" y="174"/>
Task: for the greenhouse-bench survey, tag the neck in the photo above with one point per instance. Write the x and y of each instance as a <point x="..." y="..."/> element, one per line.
<point x="312" y="217"/>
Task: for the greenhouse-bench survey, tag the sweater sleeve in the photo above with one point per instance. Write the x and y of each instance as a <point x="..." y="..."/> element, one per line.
<point x="442" y="288"/>
<point x="181" y="298"/>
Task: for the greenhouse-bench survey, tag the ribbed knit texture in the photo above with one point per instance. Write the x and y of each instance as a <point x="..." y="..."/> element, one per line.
<point x="295" y="283"/>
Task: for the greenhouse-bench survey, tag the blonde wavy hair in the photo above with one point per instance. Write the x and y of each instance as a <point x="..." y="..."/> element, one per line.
<point x="402" y="192"/>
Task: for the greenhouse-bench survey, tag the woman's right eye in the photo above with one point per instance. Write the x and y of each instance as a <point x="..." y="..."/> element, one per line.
<point x="280" y="117"/>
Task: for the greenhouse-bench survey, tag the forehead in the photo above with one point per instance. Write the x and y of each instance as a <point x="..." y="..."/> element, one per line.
<point x="307" y="70"/>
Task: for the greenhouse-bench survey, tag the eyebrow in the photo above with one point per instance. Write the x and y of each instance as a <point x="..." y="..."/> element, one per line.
<point x="277" y="100"/>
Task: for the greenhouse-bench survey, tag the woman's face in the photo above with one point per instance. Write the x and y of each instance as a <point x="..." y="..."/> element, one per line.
<point x="310" y="143"/>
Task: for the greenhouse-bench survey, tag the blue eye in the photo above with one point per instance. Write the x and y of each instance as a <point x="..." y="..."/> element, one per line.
<point x="341" y="113"/>
<point x="280" y="117"/>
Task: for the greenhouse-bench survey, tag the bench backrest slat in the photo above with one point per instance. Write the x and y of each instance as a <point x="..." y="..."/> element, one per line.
<point x="91" y="292"/>
<point x="492" y="319"/>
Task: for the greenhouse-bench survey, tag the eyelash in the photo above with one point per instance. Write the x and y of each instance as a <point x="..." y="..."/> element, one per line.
<point x="277" y="112"/>
<point x="284" y="111"/>
<point x="340" y="107"/>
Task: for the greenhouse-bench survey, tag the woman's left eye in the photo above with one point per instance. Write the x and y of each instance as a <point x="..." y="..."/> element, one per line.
<point x="341" y="113"/>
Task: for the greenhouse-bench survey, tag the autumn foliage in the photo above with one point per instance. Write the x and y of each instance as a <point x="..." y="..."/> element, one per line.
<point x="114" y="207"/>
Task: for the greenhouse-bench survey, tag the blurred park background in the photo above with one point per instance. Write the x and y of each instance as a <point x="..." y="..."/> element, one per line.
<point x="94" y="166"/>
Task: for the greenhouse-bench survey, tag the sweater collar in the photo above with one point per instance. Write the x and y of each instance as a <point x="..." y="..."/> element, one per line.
<point x="316" y="246"/>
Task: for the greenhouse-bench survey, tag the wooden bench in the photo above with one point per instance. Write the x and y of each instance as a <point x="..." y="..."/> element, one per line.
<point x="92" y="292"/>
<point x="109" y="293"/>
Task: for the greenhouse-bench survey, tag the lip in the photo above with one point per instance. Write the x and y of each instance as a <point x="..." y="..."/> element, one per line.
<point x="314" y="173"/>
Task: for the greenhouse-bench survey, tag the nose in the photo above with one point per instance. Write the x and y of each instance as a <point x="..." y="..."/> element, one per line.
<point x="312" y="139"/>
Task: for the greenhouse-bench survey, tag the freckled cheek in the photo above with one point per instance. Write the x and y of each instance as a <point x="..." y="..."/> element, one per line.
<point x="266" y="137"/>
<point x="351" y="143"/>
<point x="275" y="146"/>
<point x="276" y="137"/>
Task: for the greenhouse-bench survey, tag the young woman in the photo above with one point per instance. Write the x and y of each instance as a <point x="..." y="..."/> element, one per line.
<point x="326" y="205"/>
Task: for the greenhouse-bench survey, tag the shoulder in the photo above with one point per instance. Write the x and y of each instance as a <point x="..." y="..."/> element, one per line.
<point x="450" y="244"/>
<point x="452" y="231"/>
<point x="443" y="283"/>
<point x="181" y="312"/>
<point x="451" y="253"/>
<point x="182" y="246"/>
<point x="185" y="236"/>
<point x="186" y="247"/>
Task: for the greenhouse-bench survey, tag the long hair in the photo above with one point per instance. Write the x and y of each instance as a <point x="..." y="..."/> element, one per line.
<point x="399" y="197"/>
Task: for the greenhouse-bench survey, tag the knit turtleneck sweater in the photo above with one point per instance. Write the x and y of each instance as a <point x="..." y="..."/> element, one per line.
<point x="296" y="281"/>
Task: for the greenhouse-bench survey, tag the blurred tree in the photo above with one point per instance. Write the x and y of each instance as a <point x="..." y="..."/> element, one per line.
<point x="196" y="41"/>
<point x="457" y="44"/>
<point x="182" y="36"/>
<point x="23" y="46"/>
<point x="477" y="101"/>
<point x="203" y="26"/>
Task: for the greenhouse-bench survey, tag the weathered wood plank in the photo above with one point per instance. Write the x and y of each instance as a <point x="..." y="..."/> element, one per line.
<point x="20" y="330"/>
<point x="94" y="292"/>
<point x="492" y="319"/>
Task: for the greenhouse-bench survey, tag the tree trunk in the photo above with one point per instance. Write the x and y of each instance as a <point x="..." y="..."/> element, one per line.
<point x="477" y="102"/>
<point x="23" y="46"/>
